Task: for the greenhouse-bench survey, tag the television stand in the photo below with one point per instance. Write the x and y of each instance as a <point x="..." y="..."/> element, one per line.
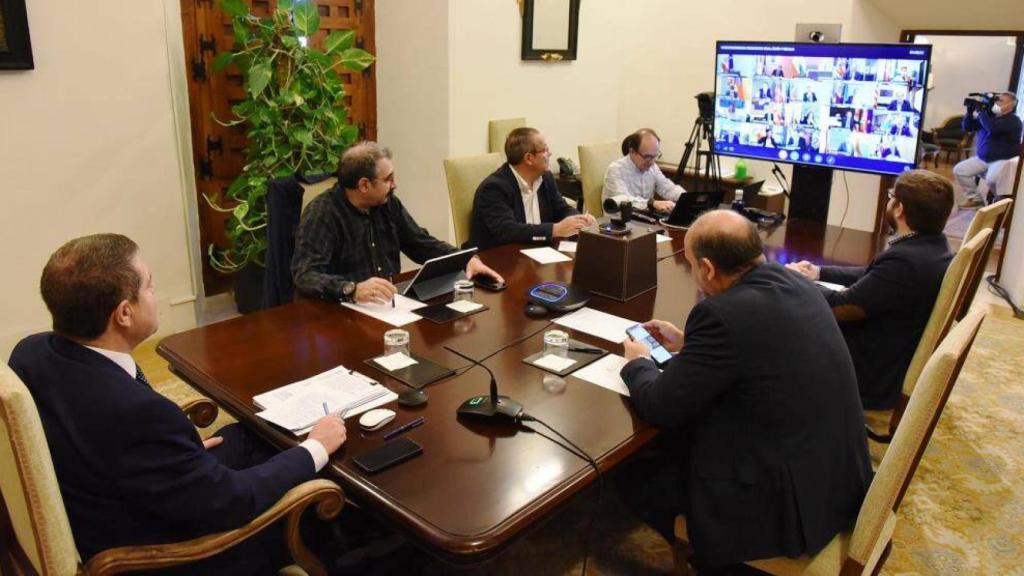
<point x="812" y="190"/>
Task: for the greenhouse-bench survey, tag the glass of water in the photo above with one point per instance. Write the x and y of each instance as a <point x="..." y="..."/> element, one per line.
<point x="463" y="290"/>
<point x="395" y="341"/>
<point x="556" y="342"/>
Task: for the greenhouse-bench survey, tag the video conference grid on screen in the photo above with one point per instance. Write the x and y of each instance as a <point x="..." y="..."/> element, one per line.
<point x="850" y="106"/>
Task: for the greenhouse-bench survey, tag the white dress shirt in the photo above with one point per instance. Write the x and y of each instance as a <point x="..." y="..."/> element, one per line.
<point x="623" y="178"/>
<point x="531" y="207"/>
<point x="314" y="447"/>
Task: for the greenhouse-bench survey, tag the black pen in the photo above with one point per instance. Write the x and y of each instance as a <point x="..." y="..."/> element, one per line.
<point x="404" y="428"/>
<point x="391" y="279"/>
<point x="585" y="350"/>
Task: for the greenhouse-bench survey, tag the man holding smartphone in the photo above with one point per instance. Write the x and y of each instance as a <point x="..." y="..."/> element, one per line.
<point x="764" y="449"/>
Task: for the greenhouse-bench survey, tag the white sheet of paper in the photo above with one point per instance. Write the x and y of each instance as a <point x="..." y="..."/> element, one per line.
<point x="546" y="255"/>
<point x="567" y="246"/>
<point x="399" y="315"/>
<point x="464" y="306"/>
<point x="605" y="373"/>
<point x="395" y="361"/>
<point x="830" y="285"/>
<point x="662" y="238"/>
<point x="552" y="362"/>
<point x="596" y="323"/>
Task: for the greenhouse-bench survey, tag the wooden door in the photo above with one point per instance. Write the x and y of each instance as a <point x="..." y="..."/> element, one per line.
<point x="218" y="151"/>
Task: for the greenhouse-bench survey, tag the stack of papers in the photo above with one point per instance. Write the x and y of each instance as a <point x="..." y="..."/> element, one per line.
<point x="546" y="255"/>
<point x="297" y="407"/>
<point x="567" y="246"/>
<point x="596" y="323"/>
<point x="830" y="285"/>
<point x="464" y="306"/>
<point x="398" y="315"/>
<point x="662" y="238"/>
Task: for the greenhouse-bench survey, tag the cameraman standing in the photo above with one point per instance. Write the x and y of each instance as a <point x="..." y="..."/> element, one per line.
<point x="999" y="134"/>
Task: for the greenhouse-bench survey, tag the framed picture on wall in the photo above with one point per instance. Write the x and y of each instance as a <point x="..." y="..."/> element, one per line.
<point x="15" y="46"/>
<point x="550" y="29"/>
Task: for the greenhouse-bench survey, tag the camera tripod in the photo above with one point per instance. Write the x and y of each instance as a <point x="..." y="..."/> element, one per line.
<point x="708" y="178"/>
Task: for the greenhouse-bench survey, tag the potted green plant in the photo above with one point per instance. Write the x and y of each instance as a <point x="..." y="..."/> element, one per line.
<point x="295" y="118"/>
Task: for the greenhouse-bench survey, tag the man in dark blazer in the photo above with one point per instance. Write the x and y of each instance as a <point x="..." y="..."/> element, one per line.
<point x="763" y="446"/>
<point x="131" y="468"/>
<point x="519" y="202"/>
<point x="885" y="306"/>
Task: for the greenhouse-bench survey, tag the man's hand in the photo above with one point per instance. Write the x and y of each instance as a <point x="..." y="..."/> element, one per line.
<point x="805" y="268"/>
<point x="632" y="350"/>
<point x="664" y="205"/>
<point x="329" y="431"/>
<point x="374" y="290"/>
<point x="666" y="333"/>
<point x="212" y="442"/>
<point x="477" y="266"/>
<point x="571" y="225"/>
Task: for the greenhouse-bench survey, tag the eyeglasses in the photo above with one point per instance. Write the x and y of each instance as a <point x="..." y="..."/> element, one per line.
<point x="541" y="151"/>
<point x="650" y="157"/>
<point x="390" y="178"/>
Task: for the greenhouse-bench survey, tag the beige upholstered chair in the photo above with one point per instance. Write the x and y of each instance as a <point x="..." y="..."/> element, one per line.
<point x="951" y="296"/>
<point x="35" y="536"/>
<point x="464" y="175"/>
<point x="594" y="161"/>
<point x="310" y="191"/>
<point x="498" y="131"/>
<point x="990" y="217"/>
<point x="863" y="550"/>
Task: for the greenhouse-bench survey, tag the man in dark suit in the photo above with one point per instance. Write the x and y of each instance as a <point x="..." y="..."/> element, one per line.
<point x="763" y="448"/>
<point x="519" y="202"/>
<point x="885" y="306"/>
<point x="130" y="466"/>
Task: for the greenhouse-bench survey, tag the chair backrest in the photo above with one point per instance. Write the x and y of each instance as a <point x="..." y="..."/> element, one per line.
<point x="954" y="121"/>
<point x="594" y="161"/>
<point x="951" y="294"/>
<point x="988" y="218"/>
<point x="498" y="131"/>
<point x="877" y="517"/>
<point x="29" y="483"/>
<point x="464" y="175"/>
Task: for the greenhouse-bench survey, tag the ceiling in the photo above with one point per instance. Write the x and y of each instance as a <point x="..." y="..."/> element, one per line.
<point x="953" y="15"/>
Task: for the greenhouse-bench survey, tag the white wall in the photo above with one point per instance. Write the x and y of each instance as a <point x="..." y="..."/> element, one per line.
<point x="88" y="144"/>
<point x="639" y="65"/>
<point x="965" y="64"/>
<point x="412" y="103"/>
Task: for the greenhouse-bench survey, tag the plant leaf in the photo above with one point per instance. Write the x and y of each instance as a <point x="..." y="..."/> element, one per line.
<point x="284" y="5"/>
<point x="259" y="76"/>
<point x="307" y="17"/>
<point x="241" y="32"/>
<point x="241" y="210"/>
<point x="338" y="41"/>
<point x="233" y="8"/>
<point x="356" y="59"/>
<point x="222" y="61"/>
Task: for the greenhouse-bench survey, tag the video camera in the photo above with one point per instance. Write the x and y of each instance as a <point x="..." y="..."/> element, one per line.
<point x="706" y="105"/>
<point x="980" y="101"/>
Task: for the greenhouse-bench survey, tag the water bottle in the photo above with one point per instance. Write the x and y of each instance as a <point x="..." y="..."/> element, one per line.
<point x="740" y="170"/>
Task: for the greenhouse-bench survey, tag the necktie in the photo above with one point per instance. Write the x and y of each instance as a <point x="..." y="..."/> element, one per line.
<point x="140" y="376"/>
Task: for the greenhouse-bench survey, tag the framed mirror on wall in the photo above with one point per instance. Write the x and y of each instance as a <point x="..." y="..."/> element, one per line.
<point x="550" y="29"/>
<point x="15" y="47"/>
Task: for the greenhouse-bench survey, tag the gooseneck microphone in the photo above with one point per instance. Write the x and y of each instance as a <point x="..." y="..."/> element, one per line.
<point x="493" y="408"/>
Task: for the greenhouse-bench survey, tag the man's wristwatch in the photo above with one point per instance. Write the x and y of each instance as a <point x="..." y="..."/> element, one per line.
<point x="348" y="291"/>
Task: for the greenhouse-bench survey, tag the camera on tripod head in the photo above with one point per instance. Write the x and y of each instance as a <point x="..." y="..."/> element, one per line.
<point x="706" y="105"/>
<point x="980" y="101"/>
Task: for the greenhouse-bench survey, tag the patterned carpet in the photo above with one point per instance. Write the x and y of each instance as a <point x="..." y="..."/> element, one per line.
<point x="961" y="514"/>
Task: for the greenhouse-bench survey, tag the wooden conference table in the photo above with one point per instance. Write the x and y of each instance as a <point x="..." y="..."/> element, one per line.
<point x="475" y="486"/>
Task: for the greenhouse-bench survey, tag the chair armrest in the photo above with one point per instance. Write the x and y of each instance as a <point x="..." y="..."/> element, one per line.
<point x="327" y="496"/>
<point x="202" y="412"/>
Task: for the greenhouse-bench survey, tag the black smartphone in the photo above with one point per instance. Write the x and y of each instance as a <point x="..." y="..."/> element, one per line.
<point x="388" y="455"/>
<point x="489" y="283"/>
<point x="659" y="354"/>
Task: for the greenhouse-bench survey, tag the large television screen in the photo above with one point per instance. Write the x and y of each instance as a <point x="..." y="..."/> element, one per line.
<point x="847" y="106"/>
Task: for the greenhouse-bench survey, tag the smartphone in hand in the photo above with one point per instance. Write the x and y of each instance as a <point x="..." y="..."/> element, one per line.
<point x="659" y="354"/>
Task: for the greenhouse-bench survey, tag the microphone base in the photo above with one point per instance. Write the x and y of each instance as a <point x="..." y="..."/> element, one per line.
<point x="615" y="229"/>
<point x="480" y="409"/>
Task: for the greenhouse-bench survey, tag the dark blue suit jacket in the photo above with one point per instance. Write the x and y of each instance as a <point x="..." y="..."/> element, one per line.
<point x="131" y="467"/>
<point x="897" y="292"/>
<point x="498" y="213"/>
<point x="778" y="455"/>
